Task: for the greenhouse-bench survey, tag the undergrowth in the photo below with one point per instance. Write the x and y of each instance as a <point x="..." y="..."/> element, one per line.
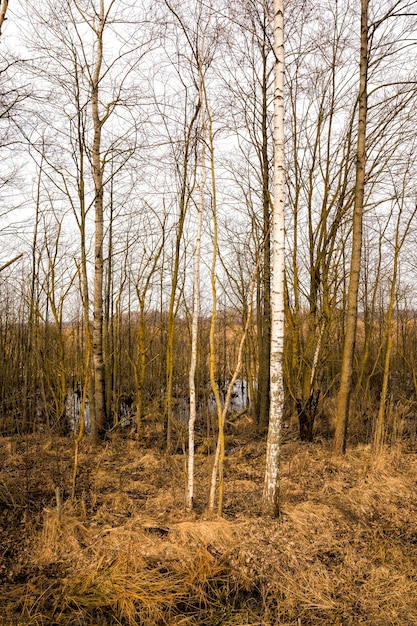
<point x="343" y="552"/>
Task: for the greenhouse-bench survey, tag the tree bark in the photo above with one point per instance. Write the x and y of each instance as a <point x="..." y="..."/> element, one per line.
<point x="98" y="358"/>
<point x="270" y="501"/>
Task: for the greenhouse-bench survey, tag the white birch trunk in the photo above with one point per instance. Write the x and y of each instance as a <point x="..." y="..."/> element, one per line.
<point x="271" y="484"/>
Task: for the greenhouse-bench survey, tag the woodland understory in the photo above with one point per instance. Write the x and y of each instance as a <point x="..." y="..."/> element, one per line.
<point x="207" y="234"/>
<point x="125" y="551"/>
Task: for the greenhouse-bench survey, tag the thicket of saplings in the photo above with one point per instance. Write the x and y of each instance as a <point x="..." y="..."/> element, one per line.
<point x="44" y="371"/>
<point x="121" y="548"/>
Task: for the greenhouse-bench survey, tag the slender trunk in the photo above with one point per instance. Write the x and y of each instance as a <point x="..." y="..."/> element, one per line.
<point x="379" y="435"/>
<point x="196" y="303"/>
<point x="81" y="219"/>
<point x="83" y="404"/>
<point x="342" y="415"/>
<point x="139" y="363"/>
<point x="183" y="206"/>
<point x="85" y="386"/>
<point x="218" y="465"/>
<point x="194" y="342"/>
<point x="33" y="318"/>
<point x="139" y="367"/>
<point x="265" y="335"/>
<point x="98" y="359"/>
<point x="270" y="500"/>
<point x="219" y="455"/>
<point x="111" y="347"/>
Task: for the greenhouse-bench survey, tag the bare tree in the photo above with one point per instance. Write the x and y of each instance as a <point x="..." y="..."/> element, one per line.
<point x="196" y="289"/>
<point x="90" y="140"/>
<point x="97" y="23"/>
<point x="270" y="499"/>
<point x="250" y="92"/>
<point x="339" y="444"/>
<point x="319" y="148"/>
<point x="376" y="141"/>
<point x="400" y="234"/>
<point x="182" y="143"/>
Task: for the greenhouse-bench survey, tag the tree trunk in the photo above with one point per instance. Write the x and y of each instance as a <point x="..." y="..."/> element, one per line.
<point x="339" y="443"/>
<point x="380" y="428"/>
<point x="99" y="425"/>
<point x="186" y="190"/>
<point x="265" y="325"/>
<point x="196" y="302"/>
<point x="270" y="502"/>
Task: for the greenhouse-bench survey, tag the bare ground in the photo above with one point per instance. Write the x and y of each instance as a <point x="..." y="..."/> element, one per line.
<point x="343" y="552"/>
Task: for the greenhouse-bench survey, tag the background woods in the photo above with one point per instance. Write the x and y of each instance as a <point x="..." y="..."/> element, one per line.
<point x="137" y="195"/>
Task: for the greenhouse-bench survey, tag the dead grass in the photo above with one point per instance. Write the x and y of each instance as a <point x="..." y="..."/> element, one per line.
<point x="343" y="553"/>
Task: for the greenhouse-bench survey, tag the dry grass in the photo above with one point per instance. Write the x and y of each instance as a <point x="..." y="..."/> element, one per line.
<point x="344" y="551"/>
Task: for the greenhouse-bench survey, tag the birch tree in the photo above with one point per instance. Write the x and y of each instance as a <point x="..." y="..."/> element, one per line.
<point x="196" y="296"/>
<point x="272" y="478"/>
<point x="99" y="119"/>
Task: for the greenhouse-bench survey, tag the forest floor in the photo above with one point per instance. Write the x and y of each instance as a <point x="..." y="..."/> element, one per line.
<point x="124" y="551"/>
